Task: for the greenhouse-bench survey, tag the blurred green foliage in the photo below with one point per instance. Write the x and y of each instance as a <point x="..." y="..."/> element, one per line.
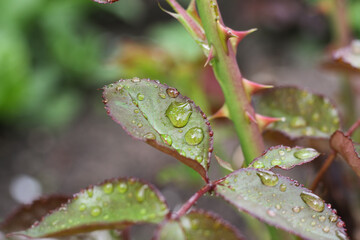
<point x="49" y="53"/>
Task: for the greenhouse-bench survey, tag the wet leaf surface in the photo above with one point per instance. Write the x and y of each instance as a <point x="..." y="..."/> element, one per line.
<point x="349" y="150"/>
<point x="27" y="214"/>
<point x="198" y="225"/>
<point x="281" y="202"/>
<point x="160" y="116"/>
<point x="284" y="157"/>
<point x="113" y="204"/>
<point x="306" y="114"/>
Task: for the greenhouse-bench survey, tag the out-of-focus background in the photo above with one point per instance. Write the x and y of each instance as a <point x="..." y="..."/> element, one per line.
<point x="55" y="136"/>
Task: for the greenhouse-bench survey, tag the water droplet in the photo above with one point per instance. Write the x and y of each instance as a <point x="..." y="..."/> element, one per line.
<point x="316" y="116"/>
<point x="296" y="209"/>
<point x="162" y="95"/>
<point x="326" y="229"/>
<point x="122" y="187"/>
<point x="313" y="201"/>
<point x="281" y="153"/>
<point x="322" y="218"/>
<point x="278" y="206"/>
<point x="182" y="153"/>
<point x="199" y="158"/>
<point x="179" y="113"/>
<point x="271" y="212"/>
<point x="258" y="164"/>
<point x="140" y="97"/>
<point x="140" y="194"/>
<point x="341" y="235"/>
<point x="139" y="125"/>
<point x="150" y="136"/>
<point x="82" y="207"/>
<point x="166" y="139"/>
<point x="298" y="122"/>
<point x="136" y="111"/>
<point x="95" y="211"/>
<point x="282" y="187"/>
<point x="313" y="223"/>
<point x="194" y="136"/>
<point x="340" y="224"/>
<point x="275" y="162"/>
<point x="268" y="178"/>
<point x="333" y="218"/>
<point x="172" y="92"/>
<point x="305" y="153"/>
<point x="118" y="88"/>
<point x="90" y="192"/>
<point x="108" y="188"/>
<point x="135" y="80"/>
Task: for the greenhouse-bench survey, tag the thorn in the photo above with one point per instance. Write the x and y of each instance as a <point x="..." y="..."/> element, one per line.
<point x="264" y="121"/>
<point x="174" y="15"/>
<point x="223" y="112"/>
<point x="224" y="164"/>
<point x="224" y="33"/>
<point x="237" y="36"/>
<point x="253" y="87"/>
<point x="210" y="56"/>
<point x="251" y="117"/>
<point x="192" y="11"/>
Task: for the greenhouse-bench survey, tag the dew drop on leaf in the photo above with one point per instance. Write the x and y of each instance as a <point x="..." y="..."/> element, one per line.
<point x="90" y="192"/>
<point x="298" y="122"/>
<point x="305" y="153"/>
<point x="135" y="80"/>
<point x="258" y="164"/>
<point x="122" y="187"/>
<point x="140" y="194"/>
<point x="172" y="92"/>
<point x="199" y="158"/>
<point x="82" y="207"/>
<point x="282" y="187"/>
<point x="296" y="209"/>
<point x="150" y="136"/>
<point x="166" y="139"/>
<point x="96" y="211"/>
<point x="179" y="113"/>
<point x="194" y="136"/>
<point x="268" y="178"/>
<point x="275" y="162"/>
<point x="313" y="201"/>
<point x="162" y="95"/>
<point x="108" y="188"/>
<point x="140" y="97"/>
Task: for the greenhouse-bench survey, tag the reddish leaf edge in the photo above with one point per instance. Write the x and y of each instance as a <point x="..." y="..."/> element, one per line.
<point x="187" y="161"/>
<point x="105" y="1"/>
<point x="344" y="145"/>
<point x="262" y="220"/>
<point x="284" y="168"/>
<point x="292" y="138"/>
<point x="208" y="214"/>
<point x="93" y="227"/>
<point x="24" y="208"/>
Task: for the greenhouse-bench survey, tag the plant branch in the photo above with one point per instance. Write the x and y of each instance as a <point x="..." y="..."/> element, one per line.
<point x="331" y="157"/>
<point x="227" y="72"/>
<point x="185" y="208"/>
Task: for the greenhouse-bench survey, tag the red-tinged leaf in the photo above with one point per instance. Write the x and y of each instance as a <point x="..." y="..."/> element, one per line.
<point x="115" y="204"/>
<point x="347" y="149"/>
<point x="197" y="225"/>
<point x="224" y="164"/>
<point x="27" y="214"/>
<point x="160" y="116"/>
<point x="105" y="1"/>
<point x="305" y="113"/>
<point x="281" y="202"/>
<point x="284" y="157"/>
<point x="349" y="55"/>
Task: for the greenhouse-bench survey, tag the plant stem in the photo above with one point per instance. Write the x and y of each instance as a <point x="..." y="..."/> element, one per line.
<point x="227" y="72"/>
<point x="183" y="210"/>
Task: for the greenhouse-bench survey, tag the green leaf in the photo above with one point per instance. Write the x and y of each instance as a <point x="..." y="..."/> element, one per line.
<point x="349" y="150"/>
<point x="198" y="225"/>
<point x="281" y="202"/>
<point x="114" y="204"/>
<point x="306" y="114"/>
<point x="284" y="157"/>
<point x="160" y="116"/>
<point x="26" y="215"/>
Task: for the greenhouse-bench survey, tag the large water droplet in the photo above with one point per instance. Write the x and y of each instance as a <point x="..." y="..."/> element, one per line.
<point x="82" y="207"/>
<point x="90" y="192"/>
<point x="298" y="122"/>
<point x="166" y="139"/>
<point x="122" y="187"/>
<point x="179" y="113"/>
<point x="326" y="229"/>
<point x="268" y="178"/>
<point x="194" y="136"/>
<point x="199" y="158"/>
<point x="108" y="188"/>
<point x="333" y="218"/>
<point x="95" y="211"/>
<point x="172" y="92"/>
<point x="150" y="136"/>
<point x="140" y="194"/>
<point x="282" y="187"/>
<point x="140" y="97"/>
<point x="275" y="162"/>
<point x="305" y="153"/>
<point x="258" y="164"/>
<point x="313" y="201"/>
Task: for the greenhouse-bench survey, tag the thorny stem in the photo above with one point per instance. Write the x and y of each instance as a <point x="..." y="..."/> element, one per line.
<point x="194" y="198"/>
<point x="331" y="157"/>
<point x="227" y="73"/>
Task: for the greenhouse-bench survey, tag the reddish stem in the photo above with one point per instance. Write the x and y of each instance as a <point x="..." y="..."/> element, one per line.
<point x="331" y="157"/>
<point x="194" y="198"/>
